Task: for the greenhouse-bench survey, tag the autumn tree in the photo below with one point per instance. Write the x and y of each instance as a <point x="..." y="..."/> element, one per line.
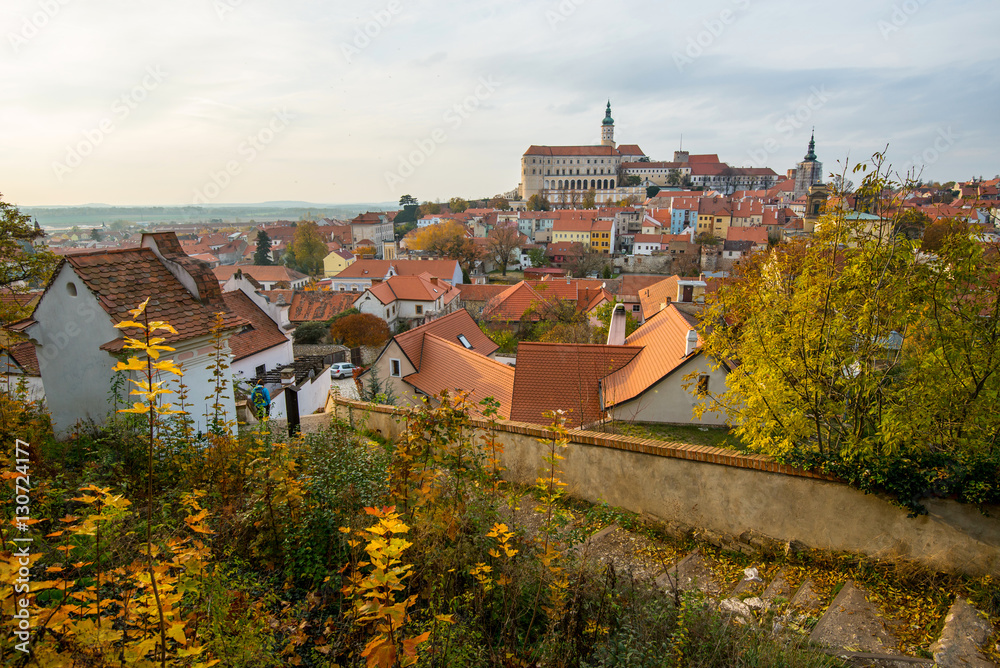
<point x="430" y="209"/>
<point x="360" y="329"/>
<point x="538" y="203"/>
<point x="938" y="232"/>
<point x="912" y="223"/>
<point x="449" y="239"/>
<point x="262" y="256"/>
<point x="587" y="261"/>
<point x="309" y="248"/>
<point x="24" y="262"/>
<point x="858" y="356"/>
<point x="590" y="199"/>
<point x="501" y="242"/>
<point x="457" y="204"/>
<point x="499" y="202"/>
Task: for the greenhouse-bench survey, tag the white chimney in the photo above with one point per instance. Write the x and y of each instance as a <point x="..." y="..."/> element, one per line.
<point x="691" y="343"/>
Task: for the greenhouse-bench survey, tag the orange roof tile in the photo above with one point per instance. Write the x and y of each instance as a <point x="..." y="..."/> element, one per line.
<point x="443" y="269"/>
<point x="24" y="356"/>
<point x="480" y="293"/>
<point x="268" y="274"/>
<point x="448" y="327"/>
<point x="511" y="304"/>
<point x="445" y="365"/>
<point x="655" y="297"/>
<point x="662" y="340"/>
<point x="558" y="376"/>
<point x="263" y="332"/>
<point x="319" y="305"/>
<point x="123" y="279"/>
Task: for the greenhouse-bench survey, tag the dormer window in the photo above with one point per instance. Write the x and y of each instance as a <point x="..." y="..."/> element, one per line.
<point x="464" y="341"/>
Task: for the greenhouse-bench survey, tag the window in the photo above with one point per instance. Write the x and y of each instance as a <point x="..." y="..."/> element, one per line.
<point x="635" y="308"/>
<point x="420" y="309"/>
<point x="703" y="385"/>
<point x="259" y="371"/>
<point x="464" y="341"/>
<point x="395" y="368"/>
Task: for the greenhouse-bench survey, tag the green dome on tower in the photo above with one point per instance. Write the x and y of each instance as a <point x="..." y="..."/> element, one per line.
<point x="607" y="116"/>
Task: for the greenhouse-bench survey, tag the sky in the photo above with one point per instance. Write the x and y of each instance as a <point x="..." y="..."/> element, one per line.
<point x="145" y="102"/>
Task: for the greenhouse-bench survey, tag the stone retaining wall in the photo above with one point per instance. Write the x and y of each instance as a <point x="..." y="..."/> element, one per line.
<point x="731" y="497"/>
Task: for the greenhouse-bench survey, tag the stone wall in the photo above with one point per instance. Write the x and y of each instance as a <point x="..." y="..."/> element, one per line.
<point x="734" y="498"/>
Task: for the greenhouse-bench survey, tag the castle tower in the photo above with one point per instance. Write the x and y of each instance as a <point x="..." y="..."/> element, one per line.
<point x="808" y="172"/>
<point x="608" y="128"/>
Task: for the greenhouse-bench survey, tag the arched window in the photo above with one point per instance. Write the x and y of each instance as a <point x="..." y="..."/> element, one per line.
<point x="592" y="183"/>
<point x="612" y="184"/>
<point x="560" y="184"/>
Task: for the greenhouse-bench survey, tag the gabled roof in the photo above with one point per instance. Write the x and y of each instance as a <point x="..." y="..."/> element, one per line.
<point x="25" y="357"/>
<point x="480" y="293"/>
<point x="264" y="274"/>
<point x="561" y="376"/>
<point x="511" y="304"/>
<point x="449" y="328"/>
<point x="632" y="284"/>
<point x="663" y="340"/>
<point x="656" y="296"/>
<point x="123" y="279"/>
<point x="444" y="269"/>
<point x="445" y="365"/>
<point x="318" y="305"/>
<point x="262" y="332"/>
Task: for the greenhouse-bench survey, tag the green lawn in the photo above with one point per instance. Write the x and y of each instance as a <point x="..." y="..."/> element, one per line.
<point x="711" y="436"/>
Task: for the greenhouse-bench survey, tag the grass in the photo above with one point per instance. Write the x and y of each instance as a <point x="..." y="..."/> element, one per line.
<point x="717" y="437"/>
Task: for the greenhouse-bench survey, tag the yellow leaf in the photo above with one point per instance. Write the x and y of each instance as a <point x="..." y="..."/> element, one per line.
<point x="176" y="631"/>
<point x="129" y="323"/>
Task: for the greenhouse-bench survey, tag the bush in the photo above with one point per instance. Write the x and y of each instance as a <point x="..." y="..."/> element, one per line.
<point x="310" y="332"/>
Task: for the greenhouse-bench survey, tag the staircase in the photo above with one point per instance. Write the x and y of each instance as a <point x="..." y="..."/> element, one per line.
<point x="839" y="616"/>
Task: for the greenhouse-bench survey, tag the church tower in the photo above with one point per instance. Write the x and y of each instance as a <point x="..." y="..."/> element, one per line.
<point x="608" y="128"/>
<point x="808" y="172"/>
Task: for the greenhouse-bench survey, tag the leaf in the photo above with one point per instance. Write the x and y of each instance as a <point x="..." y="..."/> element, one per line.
<point x="124" y="324"/>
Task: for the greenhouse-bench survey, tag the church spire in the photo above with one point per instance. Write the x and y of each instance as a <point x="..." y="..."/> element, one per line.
<point x="811" y="154"/>
<point x="608" y="128"/>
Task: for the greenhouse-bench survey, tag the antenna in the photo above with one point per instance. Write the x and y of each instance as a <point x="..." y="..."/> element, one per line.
<point x="682" y="143"/>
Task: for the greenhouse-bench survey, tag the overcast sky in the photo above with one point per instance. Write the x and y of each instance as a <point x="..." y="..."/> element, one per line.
<point x="229" y="101"/>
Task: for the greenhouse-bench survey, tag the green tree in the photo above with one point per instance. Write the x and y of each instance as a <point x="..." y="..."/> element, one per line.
<point x="857" y="356"/>
<point x="24" y="262"/>
<point x="590" y="199"/>
<point x="406" y="200"/>
<point x="603" y="313"/>
<point x="499" y="202"/>
<point x="633" y="180"/>
<point x="538" y="203"/>
<point x="538" y="258"/>
<point x="309" y="248"/>
<point x="430" y="209"/>
<point x="262" y="256"/>
<point x="95" y="234"/>
<point x="457" y="204"/>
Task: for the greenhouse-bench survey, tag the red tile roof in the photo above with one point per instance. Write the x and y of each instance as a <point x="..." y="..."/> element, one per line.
<point x="558" y="376"/>
<point x="122" y="279"/>
<point x="447" y="365"/>
<point x="511" y="304"/>
<point x="444" y="269"/>
<point x="655" y="297"/>
<point x="263" y="274"/>
<point x="448" y="327"/>
<point x="262" y="334"/>
<point x="319" y="305"/>
<point x="25" y="357"/>
<point x="662" y="340"/>
<point x="480" y="293"/>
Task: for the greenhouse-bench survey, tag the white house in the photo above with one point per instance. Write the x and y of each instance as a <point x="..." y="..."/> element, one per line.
<point x="360" y="275"/>
<point x="77" y="345"/>
<point x="411" y="298"/>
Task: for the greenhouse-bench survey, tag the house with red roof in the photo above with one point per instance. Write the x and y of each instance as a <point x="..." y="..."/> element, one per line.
<point x="77" y="345"/>
<point x="450" y="353"/>
<point x="413" y="299"/>
<point x="361" y="274"/>
<point x="270" y="277"/>
<point x="19" y="364"/>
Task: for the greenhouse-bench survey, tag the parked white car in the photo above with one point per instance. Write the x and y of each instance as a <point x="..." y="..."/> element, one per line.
<point x="342" y="370"/>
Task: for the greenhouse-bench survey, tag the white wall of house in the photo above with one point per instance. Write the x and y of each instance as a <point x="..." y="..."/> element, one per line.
<point x="370" y="304"/>
<point x="271" y="358"/>
<point x="312" y="396"/>
<point x="669" y="402"/>
<point x="9" y="383"/>
<point x="76" y="374"/>
<point x="197" y="357"/>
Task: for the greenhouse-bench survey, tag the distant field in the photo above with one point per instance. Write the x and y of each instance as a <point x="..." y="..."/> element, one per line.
<point x="89" y="217"/>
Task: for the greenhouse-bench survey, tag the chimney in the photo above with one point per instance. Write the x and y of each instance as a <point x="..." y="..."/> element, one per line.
<point x="616" y="328"/>
<point x="691" y="343"/>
